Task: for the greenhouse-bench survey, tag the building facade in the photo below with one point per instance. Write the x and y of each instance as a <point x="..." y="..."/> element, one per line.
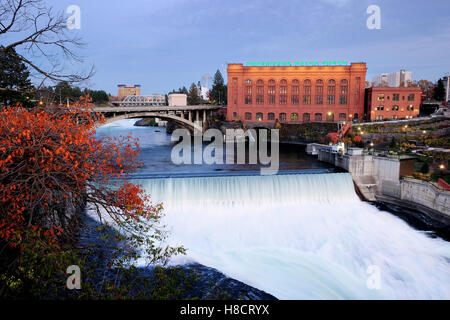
<point x="296" y="93"/>
<point x="392" y="103"/>
<point x="396" y="79"/>
<point x="177" y="99"/>
<point x="124" y="90"/>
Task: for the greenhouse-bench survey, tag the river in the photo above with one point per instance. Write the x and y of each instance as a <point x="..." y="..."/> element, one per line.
<point x="297" y="235"/>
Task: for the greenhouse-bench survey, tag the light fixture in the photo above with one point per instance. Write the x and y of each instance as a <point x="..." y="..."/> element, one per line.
<point x="442" y="167"/>
<point x="371" y="144"/>
<point x="424" y="131"/>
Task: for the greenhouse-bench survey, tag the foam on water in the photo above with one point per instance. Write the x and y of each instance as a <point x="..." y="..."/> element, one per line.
<point x="301" y="237"/>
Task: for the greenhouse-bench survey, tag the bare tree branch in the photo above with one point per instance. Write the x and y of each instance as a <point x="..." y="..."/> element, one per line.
<point x="40" y="39"/>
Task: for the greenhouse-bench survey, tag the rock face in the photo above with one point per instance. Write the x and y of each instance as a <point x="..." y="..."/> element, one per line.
<point x="212" y="284"/>
<point x="204" y="282"/>
<point x="145" y="122"/>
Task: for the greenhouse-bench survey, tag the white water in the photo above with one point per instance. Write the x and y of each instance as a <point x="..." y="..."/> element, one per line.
<point x="301" y="237"/>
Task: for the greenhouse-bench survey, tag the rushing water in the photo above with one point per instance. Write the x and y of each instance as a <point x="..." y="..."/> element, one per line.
<point x="299" y="236"/>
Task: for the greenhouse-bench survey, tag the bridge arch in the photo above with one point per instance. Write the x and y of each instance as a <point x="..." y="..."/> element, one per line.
<point x="182" y="121"/>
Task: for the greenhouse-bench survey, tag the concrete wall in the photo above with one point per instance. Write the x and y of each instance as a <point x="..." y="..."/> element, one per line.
<point x="426" y="194"/>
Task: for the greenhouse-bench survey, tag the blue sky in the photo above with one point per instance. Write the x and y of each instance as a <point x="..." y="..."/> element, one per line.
<point x="167" y="44"/>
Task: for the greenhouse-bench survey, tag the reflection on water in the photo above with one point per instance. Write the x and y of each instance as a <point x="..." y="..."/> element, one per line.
<point x="156" y="149"/>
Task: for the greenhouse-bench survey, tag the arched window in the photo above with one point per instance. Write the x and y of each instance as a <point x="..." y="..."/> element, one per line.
<point x="248" y="116"/>
<point x="271" y="116"/>
<point x="294" y="116"/>
<point x="319" y="91"/>
<point x="283" y="92"/>
<point x="331" y="91"/>
<point x="395" y="108"/>
<point x="283" y="86"/>
<point x="343" y="92"/>
<point x="271" y="91"/>
<point x="248" y="91"/>
<point x="342" y="116"/>
<point x="306" y="117"/>
<point x="307" y="91"/>
<point x="295" y="91"/>
<point x="330" y="116"/>
<point x="282" y="116"/>
<point x="411" y="97"/>
<point x="259" y="116"/>
<point x="260" y="92"/>
<point x="318" y="117"/>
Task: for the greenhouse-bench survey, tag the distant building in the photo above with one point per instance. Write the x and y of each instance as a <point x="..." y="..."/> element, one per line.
<point x="446" y="82"/>
<point x="177" y="99"/>
<point x="124" y="90"/>
<point x="392" y="103"/>
<point x="395" y="79"/>
<point x="203" y="93"/>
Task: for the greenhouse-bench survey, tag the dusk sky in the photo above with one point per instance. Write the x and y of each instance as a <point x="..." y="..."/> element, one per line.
<point x="163" y="45"/>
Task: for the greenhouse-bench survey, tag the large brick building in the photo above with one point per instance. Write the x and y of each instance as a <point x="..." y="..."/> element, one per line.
<point x="296" y="93"/>
<point x="392" y="103"/>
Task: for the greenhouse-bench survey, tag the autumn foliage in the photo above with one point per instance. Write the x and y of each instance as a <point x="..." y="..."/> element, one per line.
<point x="50" y="159"/>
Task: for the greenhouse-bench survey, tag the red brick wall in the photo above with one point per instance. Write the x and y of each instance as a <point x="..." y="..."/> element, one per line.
<point x="404" y="105"/>
<point x="354" y="74"/>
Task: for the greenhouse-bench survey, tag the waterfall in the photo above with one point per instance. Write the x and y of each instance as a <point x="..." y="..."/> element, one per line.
<point x="305" y="236"/>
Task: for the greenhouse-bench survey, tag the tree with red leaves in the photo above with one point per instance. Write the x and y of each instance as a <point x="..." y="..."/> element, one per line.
<point x="51" y="165"/>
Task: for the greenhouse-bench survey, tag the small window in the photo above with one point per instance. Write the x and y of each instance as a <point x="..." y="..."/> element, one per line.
<point x="342" y="116"/>
<point x="381" y="97"/>
<point x="248" y="81"/>
<point x="318" y="117"/>
<point x="271" y="116"/>
<point x="395" y="108"/>
<point x="259" y="116"/>
<point x="395" y="97"/>
<point x="411" y="97"/>
<point x="248" y="116"/>
<point x="282" y="116"/>
<point x="294" y="116"/>
<point x="234" y="114"/>
<point x="306" y="117"/>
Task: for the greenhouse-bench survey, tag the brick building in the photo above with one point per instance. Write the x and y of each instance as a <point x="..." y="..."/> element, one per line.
<point x="392" y="103"/>
<point x="296" y="93"/>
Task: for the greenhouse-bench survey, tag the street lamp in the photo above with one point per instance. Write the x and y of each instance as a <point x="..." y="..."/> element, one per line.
<point x="442" y="167"/>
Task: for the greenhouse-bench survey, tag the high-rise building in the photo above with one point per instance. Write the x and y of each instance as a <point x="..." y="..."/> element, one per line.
<point x="396" y="79"/>
<point x="296" y="93"/>
<point x="124" y="90"/>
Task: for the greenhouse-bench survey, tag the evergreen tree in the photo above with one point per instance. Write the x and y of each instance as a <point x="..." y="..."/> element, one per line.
<point x="192" y="97"/>
<point x="14" y="79"/>
<point x="219" y="89"/>
<point x="439" y="91"/>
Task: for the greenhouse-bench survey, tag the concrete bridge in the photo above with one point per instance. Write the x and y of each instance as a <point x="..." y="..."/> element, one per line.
<point x="190" y="117"/>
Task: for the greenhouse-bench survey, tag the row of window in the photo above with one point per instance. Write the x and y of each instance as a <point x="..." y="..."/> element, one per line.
<point x="380" y="117"/>
<point x="283" y="99"/>
<point x="394" y="108"/>
<point x="296" y="82"/>
<point x="271" y="89"/>
<point x="396" y="97"/>
<point x="306" y="117"/>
